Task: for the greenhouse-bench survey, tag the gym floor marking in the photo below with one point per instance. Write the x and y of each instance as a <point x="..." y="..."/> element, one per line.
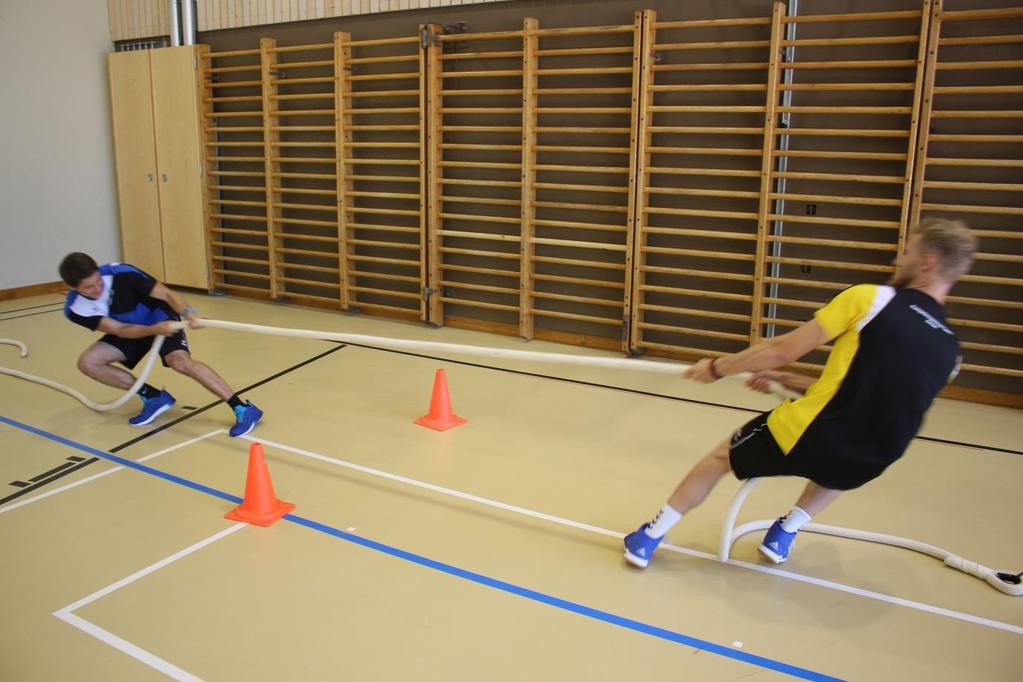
<point x="878" y="596"/>
<point x="69" y="486"/>
<point x="33" y="307"/>
<point x="209" y="406"/>
<point x="192" y="412"/>
<point x="647" y="394"/>
<point x="820" y="582"/>
<point x="540" y="597"/>
<point x="41" y="312"/>
<point x="67" y="615"/>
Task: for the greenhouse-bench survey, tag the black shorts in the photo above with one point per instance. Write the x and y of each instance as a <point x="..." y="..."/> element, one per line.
<point x="754" y="453"/>
<point x="136" y="349"/>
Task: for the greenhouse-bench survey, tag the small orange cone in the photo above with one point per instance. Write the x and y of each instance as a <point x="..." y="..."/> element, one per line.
<point x="260" y="506"/>
<point x="441" y="417"/>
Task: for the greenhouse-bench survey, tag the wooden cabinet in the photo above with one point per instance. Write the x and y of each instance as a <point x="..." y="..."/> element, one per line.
<point x="158" y="150"/>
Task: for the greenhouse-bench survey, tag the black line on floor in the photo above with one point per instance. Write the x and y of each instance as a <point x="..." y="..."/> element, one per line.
<point x="65" y="471"/>
<point x="580" y="382"/>
<point x="40" y="484"/>
<point x="65" y="465"/>
<point x="209" y="406"/>
<point x="650" y="394"/>
<point x="41" y="312"/>
<point x="31" y="307"/>
<point x="964" y="444"/>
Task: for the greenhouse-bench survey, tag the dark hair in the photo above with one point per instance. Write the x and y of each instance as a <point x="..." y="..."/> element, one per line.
<point x="75" y="267"/>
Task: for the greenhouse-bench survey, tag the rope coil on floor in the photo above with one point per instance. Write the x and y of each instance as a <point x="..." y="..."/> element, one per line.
<point x="1005" y="582"/>
<point x="77" y="395"/>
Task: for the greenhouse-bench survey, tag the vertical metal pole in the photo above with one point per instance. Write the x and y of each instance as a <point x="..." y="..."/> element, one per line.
<point x="188" y="21"/>
<point x="778" y="226"/>
<point x="175" y="23"/>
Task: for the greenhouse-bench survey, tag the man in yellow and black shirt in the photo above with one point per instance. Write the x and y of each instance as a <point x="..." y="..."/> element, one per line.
<point x="893" y="351"/>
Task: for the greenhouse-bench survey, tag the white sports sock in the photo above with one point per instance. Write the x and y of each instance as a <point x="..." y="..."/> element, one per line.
<point x="662" y="523"/>
<point x="794" y="520"/>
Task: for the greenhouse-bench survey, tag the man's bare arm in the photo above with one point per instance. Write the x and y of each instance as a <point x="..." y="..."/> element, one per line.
<point x="770" y="354"/>
<point x="134" y="331"/>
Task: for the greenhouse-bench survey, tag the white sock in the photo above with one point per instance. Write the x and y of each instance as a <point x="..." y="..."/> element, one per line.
<point x="794" y="520"/>
<point x="662" y="523"/>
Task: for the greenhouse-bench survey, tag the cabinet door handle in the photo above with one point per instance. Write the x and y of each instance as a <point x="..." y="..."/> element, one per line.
<point x="163" y="176"/>
<point x="149" y="176"/>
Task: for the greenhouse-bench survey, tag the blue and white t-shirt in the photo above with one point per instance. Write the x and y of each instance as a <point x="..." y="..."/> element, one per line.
<point x="125" y="298"/>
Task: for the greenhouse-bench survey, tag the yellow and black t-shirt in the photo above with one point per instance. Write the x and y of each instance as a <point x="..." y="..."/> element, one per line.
<point x="893" y="352"/>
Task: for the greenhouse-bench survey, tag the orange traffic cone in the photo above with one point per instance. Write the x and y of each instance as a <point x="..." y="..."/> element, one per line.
<point x="440" y="418"/>
<point x="260" y="506"/>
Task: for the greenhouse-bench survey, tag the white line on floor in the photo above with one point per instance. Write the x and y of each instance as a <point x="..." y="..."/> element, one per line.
<point x="66" y="615"/>
<point x="869" y="594"/>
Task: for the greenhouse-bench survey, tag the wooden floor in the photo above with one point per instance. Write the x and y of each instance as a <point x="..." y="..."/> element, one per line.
<point x="489" y="552"/>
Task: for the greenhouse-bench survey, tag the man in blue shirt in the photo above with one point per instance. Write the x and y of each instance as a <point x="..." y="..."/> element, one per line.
<point x="130" y="307"/>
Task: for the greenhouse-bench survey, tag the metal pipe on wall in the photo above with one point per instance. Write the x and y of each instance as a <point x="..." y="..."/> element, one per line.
<point x="778" y="205"/>
<point x="175" y="23"/>
<point x="188" y="21"/>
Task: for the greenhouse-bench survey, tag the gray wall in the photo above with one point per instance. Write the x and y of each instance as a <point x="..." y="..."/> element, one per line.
<point x="57" y="189"/>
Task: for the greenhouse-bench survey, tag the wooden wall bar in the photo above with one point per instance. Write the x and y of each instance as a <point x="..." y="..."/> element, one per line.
<point x="477" y="171"/>
<point x="380" y="178"/>
<point x="702" y="139"/>
<point x="970" y="165"/>
<point x="578" y="196"/>
<point x="679" y="188"/>
<point x="841" y="163"/>
<point x="302" y="204"/>
<point x="241" y="247"/>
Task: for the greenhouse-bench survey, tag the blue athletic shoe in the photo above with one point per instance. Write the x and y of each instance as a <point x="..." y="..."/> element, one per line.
<point x="777" y="543"/>
<point x="639" y="547"/>
<point x="152" y="408"/>
<point x="247" y="415"/>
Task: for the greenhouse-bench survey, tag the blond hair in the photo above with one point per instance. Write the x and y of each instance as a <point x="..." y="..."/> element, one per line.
<point x="952" y="241"/>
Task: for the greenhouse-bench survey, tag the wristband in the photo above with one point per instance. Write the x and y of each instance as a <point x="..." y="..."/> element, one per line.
<point x="714" y="370"/>
<point x="189" y="311"/>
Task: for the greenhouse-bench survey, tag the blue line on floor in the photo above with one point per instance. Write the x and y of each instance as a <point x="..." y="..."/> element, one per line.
<point x="478" y="578"/>
<point x="122" y="461"/>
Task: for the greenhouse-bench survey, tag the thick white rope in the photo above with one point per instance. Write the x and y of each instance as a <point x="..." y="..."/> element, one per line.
<point x="22" y="348"/>
<point x="632" y="364"/>
<point x="1003" y="581"/>
<point x="728" y="538"/>
<point x="1000" y="580"/>
<point x="376" y="341"/>
<point x="442" y="347"/>
<point x="80" y="397"/>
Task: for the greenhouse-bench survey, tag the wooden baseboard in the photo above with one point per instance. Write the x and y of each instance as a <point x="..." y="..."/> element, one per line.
<point x="983" y="396"/>
<point x="481" y="326"/>
<point x="32" y="290"/>
<point x="385" y="313"/>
